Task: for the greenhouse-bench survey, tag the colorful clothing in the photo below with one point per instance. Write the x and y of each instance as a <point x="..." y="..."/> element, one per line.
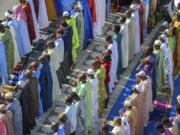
<point x="50" y="9"/>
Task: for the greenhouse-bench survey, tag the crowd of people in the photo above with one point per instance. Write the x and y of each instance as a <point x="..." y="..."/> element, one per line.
<point x="27" y="92"/>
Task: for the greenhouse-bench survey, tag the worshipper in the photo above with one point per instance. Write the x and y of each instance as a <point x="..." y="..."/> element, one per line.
<point x="160" y="128"/>
<point x="126" y="126"/>
<point x="71" y="112"/>
<point x="135" y="18"/>
<point x="35" y="22"/>
<point x="36" y="7"/>
<point x="88" y="24"/>
<point x="106" y="63"/>
<point x="57" y="6"/>
<point x="6" y="38"/>
<point x="46" y="82"/>
<point x="118" y="37"/>
<point x="152" y="13"/>
<point x="51" y="13"/>
<point x="84" y="90"/>
<point x="80" y="113"/>
<point x="140" y="10"/>
<point x="75" y="39"/>
<point x="118" y="128"/>
<point x="21" y="18"/>
<point x="3" y="63"/>
<point x="124" y="42"/>
<point x="160" y="80"/>
<point x="42" y="16"/>
<point x="114" y="62"/>
<point x="146" y="84"/>
<point x="101" y="75"/>
<point x="177" y="49"/>
<point x="105" y="130"/>
<point x="171" y="127"/>
<point x="15" y="107"/>
<point x="146" y="15"/>
<point x="100" y="17"/>
<point x="27" y="9"/>
<point x="29" y="101"/>
<point x="131" y="34"/>
<point x="94" y="84"/>
<point x="177" y="117"/>
<point x="7" y="118"/>
<point x="167" y="62"/>
<point x="137" y="100"/>
<point x="131" y="116"/>
<point x="65" y="123"/>
<point x="67" y="38"/>
<point x="3" y="130"/>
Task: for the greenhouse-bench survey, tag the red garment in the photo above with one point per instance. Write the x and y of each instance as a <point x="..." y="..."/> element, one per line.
<point x="31" y="30"/>
<point x="141" y="21"/>
<point x="107" y="66"/>
<point x="92" y="7"/>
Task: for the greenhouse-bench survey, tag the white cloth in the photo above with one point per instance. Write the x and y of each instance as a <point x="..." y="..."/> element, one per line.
<point x="114" y="63"/>
<point x="100" y="17"/>
<point x="71" y="112"/>
<point x="125" y="45"/>
<point x="127" y="129"/>
<point x="94" y="84"/>
<point x="42" y="18"/>
<point x="36" y="25"/>
<point x="17" y="57"/>
<point x="146" y="10"/>
<point x="118" y="131"/>
<point x="135" y="17"/>
<point x="59" y="43"/>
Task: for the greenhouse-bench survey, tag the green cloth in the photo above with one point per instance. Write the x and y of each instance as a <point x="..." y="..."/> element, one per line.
<point x="101" y="75"/>
<point x="118" y="38"/>
<point x="75" y="39"/>
<point x="84" y="90"/>
<point x="6" y="37"/>
<point x="171" y="44"/>
<point x="160" y="75"/>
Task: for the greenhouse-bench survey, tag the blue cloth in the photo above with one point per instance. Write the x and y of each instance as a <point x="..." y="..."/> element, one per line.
<point x="108" y="7"/>
<point x="46" y="82"/>
<point x="88" y="24"/>
<point x="3" y="63"/>
<point x="65" y="5"/>
<point x="58" y="5"/>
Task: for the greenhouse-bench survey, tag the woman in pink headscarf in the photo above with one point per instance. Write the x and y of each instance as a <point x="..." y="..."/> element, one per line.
<point x="21" y="18"/>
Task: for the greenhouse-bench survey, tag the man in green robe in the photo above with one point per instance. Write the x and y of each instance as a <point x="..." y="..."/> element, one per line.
<point x="6" y="38"/>
<point x="160" y="76"/>
<point x="84" y="91"/>
<point x="71" y="21"/>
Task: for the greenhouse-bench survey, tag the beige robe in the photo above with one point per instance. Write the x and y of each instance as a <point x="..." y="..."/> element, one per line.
<point x="174" y="129"/>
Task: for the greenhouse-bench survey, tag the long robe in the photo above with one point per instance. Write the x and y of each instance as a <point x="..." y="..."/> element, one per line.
<point x="57" y="5"/>
<point x="34" y="18"/>
<point x="100" y="17"/>
<point x="21" y="17"/>
<point x="15" y="108"/>
<point x="146" y="15"/>
<point x="131" y="34"/>
<point x="43" y="17"/>
<point x="101" y="75"/>
<point x="94" y="84"/>
<point x="88" y="25"/>
<point x="9" y="48"/>
<point x="84" y="90"/>
<point x="75" y="39"/>
<point x="46" y="86"/>
<point x="50" y="9"/>
<point x="125" y="45"/>
<point x="147" y="91"/>
<point x="31" y="29"/>
<point x="135" y="17"/>
<point x="3" y="130"/>
<point x="36" y="4"/>
<point x="3" y="63"/>
<point x="114" y="64"/>
<point x="140" y="9"/>
<point x="92" y="7"/>
<point x="160" y="80"/>
<point x="118" y="38"/>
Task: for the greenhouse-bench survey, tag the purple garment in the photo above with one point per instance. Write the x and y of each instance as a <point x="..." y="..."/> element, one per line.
<point x="166" y="132"/>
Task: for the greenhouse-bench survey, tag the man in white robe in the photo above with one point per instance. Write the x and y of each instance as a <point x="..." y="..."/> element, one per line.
<point x="112" y="46"/>
<point x="95" y="106"/>
<point x="135" y="17"/>
<point x="146" y="85"/>
<point x="124" y="43"/>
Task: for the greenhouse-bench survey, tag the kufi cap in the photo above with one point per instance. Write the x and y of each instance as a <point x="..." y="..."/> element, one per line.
<point x="141" y="73"/>
<point x="90" y="71"/>
<point x="165" y="24"/>
<point x="137" y="88"/>
<point x="8" y="13"/>
<point x="127" y="103"/>
<point x="2" y="107"/>
<point x="8" y="96"/>
<point x="65" y="13"/>
<point x="157" y="42"/>
<point x="163" y="36"/>
<point x="133" y="6"/>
